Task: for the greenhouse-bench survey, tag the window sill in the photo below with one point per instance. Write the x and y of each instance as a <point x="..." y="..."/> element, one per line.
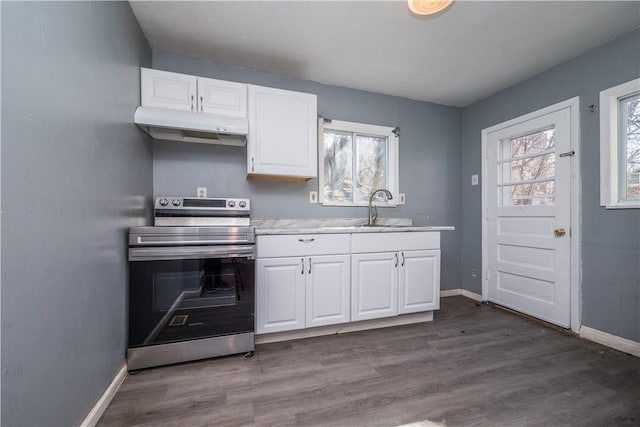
<point x="624" y="205"/>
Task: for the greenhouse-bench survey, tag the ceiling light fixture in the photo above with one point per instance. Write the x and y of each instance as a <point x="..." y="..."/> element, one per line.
<point x="426" y="7"/>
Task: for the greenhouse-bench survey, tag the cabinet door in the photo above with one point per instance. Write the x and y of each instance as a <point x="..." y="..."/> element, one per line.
<point x="283" y="136"/>
<point x="328" y="287"/>
<point x="280" y="290"/>
<point x="419" y="286"/>
<point x="374" y="287"/>
<point x="222" y="97"/>
<point x="163" y="89"/>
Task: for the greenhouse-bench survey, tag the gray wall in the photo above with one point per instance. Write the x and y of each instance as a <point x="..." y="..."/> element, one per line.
<point x="429" y="157"/>
<point x="610" y="238"/>
<point x="76" y="173"/>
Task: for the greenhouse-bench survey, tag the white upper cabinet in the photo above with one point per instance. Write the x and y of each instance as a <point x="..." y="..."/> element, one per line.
<point x="174" y="91"/>
<point x="282" y="142"/>
<point x="222" y="97"/>
<point x="163" y="89"/>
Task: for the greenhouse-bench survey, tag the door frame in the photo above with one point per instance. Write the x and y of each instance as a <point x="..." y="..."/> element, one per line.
<point x="576" y="261"/>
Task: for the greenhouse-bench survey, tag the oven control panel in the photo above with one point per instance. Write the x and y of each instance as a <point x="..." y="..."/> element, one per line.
<point x="202" y="204"/>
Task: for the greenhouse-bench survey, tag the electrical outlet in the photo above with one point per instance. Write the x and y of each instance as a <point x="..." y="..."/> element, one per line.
<point x="474" y="179"/>
<point x="401" y="199"/>
<point x="201" y="191"/>
<point x="313" y="197"/>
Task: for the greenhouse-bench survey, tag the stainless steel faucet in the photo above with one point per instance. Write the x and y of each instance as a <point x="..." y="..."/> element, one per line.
<point x="373" y="210"/>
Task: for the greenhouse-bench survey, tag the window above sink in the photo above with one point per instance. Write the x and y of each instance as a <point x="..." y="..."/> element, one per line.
<point x="355" y="160"/>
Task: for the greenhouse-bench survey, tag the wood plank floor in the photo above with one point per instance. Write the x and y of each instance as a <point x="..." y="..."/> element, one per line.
<point x="474" y="365"/>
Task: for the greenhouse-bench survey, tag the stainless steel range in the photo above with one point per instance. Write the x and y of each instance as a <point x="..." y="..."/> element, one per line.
<point x="191" y="282"/>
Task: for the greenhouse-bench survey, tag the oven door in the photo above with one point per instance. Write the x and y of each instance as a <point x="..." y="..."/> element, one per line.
<point x="190" y="292"/>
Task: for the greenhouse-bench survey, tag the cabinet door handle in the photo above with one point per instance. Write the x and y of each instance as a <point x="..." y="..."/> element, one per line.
<point x="252" y="164"/>
<point x="201" y="103"/>
<point x="402" y="265"/>
<point x="306" y="240"/>
<point x="302" y="262"/>
<point x="396" y="255"/>
<point x="192" y="96"/>
<point x="309" y="265"/>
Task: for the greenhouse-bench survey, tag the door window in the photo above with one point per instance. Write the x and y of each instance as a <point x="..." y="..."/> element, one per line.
<point x="526" y="169"/>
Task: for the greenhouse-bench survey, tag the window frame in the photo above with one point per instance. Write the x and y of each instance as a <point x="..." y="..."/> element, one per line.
<point x="393" y="154"/>
<point x="611" y="195"/>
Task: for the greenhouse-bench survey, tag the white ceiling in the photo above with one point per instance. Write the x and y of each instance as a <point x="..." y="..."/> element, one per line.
<point x="466" y="53"/>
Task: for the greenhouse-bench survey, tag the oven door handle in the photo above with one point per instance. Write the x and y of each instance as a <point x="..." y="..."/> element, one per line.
<point x="191" y="252"/>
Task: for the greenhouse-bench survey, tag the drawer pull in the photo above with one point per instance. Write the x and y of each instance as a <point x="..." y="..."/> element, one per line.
<point x="306" y="240"/>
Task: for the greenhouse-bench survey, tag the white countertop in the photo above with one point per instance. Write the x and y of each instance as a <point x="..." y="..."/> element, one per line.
<point x="339" y="225"/>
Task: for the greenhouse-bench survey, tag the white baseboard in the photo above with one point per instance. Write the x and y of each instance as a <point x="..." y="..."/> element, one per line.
<point x="610" y="340"/>
<point x="450" y="293"/>
<point x="343" y="328"/>
<point x="101" y="405"/>
<point x="465" y="293"/>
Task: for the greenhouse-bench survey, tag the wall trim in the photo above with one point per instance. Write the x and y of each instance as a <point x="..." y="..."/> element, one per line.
<point x="465" y="293"/>
<point x="101" y="405"/>
<point x="613" y="341"/>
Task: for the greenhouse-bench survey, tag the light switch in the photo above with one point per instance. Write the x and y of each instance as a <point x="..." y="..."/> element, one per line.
<point x="313" y="197"/>
<point x="401" y="199"/>
<point x="474" y="179"/>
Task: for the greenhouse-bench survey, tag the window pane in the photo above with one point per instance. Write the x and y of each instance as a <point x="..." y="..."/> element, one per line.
<point x="531" y="165"/>
<point x="631" y="146"/>
<point x="371" y="155"/>
<point x="539" y="193"/>
<point x="534" y="143"/>
<point x="338" y="166"/>
<point x="532" y="168"/>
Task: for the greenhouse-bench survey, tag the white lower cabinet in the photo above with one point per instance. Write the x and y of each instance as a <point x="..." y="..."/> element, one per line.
<point x="327" y="290"/>
<point x="280" y="294"/>
<point x="372" y="276"/>
<point x="300" y="287"/>
<point x="374" y="286"/>
<point x="394" y="273"/>
<point x="419" y="281"/>
<point x="297" y="292"/>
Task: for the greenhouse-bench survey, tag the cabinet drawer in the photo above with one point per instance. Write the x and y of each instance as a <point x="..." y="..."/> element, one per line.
<point x="302" y="245"/>
<point x="391" y="242"/>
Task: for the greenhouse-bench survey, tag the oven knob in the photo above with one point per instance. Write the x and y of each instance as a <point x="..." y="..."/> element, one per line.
<point x="176" y="202"/>
<point x="232" y="204"/>
<point x="242" y="204"/>
<point x="163" y="202"/>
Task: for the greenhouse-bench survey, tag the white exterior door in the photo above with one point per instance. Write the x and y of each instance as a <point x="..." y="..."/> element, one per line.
<point x="419" y="286"/>
<point x="163" y="89"/>
<point x="374" y="288"/>
<point x="328" y="290"/>
<point x="527" y="185"/>
<point x="222" y="97"/>
<point x="280" y="294"/>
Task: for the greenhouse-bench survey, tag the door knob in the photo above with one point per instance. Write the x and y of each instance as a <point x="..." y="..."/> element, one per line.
<point x="559" y="232"/>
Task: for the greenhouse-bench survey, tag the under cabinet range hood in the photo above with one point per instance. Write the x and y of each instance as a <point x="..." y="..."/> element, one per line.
<point x="187" y="126"/>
